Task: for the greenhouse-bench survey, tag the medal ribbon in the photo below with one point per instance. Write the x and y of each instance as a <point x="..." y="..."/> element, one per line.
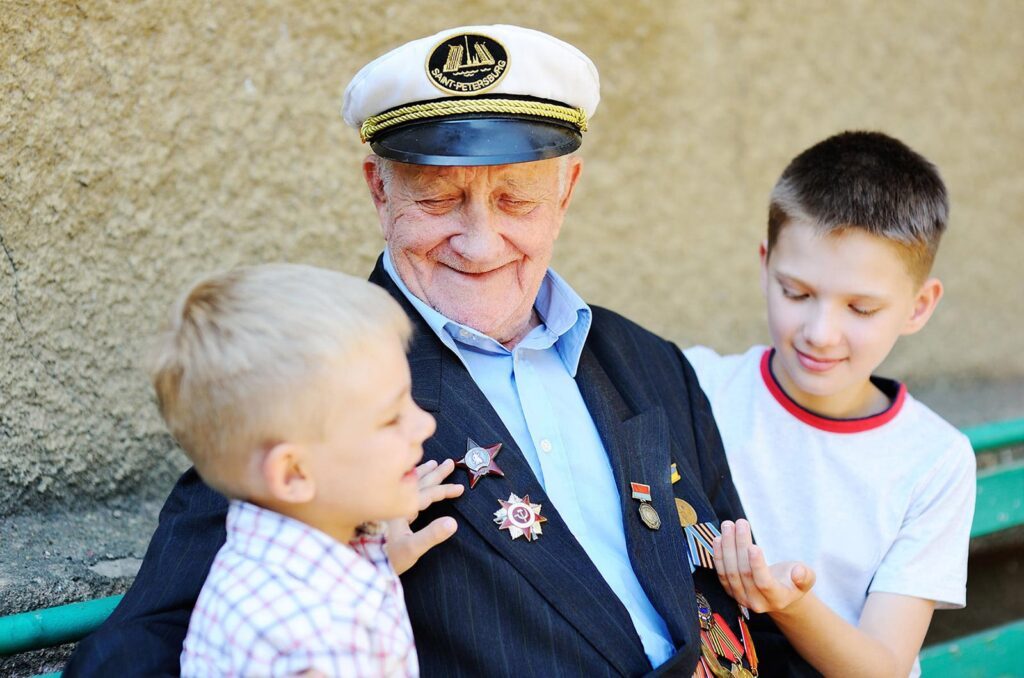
<point x="641" y="491"/>
<point x="748" y="645"/>
<point x="718" y="640"/>
<point x="728" y="645"/>
<point x="700" y="541"/>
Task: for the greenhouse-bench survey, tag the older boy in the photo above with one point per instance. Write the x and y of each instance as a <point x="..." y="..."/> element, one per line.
<point x="840" y="470"/>
<point x="287" y="387"/>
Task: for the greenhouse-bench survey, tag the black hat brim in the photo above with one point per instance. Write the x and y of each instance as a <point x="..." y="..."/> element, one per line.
<point x="477" y="140"/>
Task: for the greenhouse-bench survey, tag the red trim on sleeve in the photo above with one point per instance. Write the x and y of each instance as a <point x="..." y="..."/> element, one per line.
<point x="827" y="423"/>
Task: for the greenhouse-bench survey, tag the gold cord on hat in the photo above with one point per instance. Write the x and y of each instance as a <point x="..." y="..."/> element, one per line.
<point x="437" y="109"/>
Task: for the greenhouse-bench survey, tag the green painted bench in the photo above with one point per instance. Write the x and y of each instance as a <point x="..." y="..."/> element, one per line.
<point x="996" y="652"/>
<point x="993" y="653"/>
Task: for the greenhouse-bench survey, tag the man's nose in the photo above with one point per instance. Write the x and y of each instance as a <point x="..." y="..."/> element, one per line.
<point x="480" y="238"/>
<point x="822" y="327"/>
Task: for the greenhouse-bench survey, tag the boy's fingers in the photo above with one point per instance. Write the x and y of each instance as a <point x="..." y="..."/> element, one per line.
<point x="762" y="574"/>
<point x="743" y="535"/>
<point x="803" y="577"/>
<point x="756" y="599"/>
<point x="720" y="566"/>
<point x="431" y="494"/>
<point x="719" y="556"/>
<point x="743" y="544"/>
<point x="425" y="468"/>
<point x="404" y="555"/>
<point x="398" y="528"/>
<point x="729" y="561"/>
<point x="437" y="472"/>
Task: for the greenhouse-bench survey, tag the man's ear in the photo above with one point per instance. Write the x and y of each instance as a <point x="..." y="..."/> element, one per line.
<point x="763" y="253"/>
<point x="371" y="174"/>
<point x="286" y="474"/>
<point x="572" y="175"/>
<point x="924" y="305"/>
<point x="572" y="172"/>
<point x="375" y="182"/>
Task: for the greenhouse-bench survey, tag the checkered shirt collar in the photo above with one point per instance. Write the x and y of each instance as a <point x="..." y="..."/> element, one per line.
<point x="305" y="551"/>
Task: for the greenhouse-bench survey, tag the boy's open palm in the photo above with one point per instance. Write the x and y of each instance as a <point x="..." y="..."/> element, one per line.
<point x="404" y="547"/>
<point x="748" y="578"/>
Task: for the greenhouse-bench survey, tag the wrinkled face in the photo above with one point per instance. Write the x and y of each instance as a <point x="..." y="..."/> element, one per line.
<point x="836" y="305"/>
<point x="364" y="468"/>
<point x="475" y="242"/>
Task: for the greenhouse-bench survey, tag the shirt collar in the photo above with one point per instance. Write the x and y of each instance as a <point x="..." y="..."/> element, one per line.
<point x="565" y="321"/>
<point x="276" y="539"/>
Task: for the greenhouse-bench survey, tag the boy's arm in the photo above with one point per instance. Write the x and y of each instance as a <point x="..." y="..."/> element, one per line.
<point x="884" y="643"/>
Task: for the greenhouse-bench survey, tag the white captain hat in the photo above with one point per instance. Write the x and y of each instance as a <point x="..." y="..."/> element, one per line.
<point x="475" y="95"/>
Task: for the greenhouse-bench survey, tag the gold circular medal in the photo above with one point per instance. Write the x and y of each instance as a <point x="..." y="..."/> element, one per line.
<point x="649" y="516"/>
<point x="687" y="515"/>
<point x="713" y="663"/>
<point x="740" y="672"/>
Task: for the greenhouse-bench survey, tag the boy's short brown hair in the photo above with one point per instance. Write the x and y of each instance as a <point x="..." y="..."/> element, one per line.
<point x="241" y="364"/>
<point x="870" y="181"/>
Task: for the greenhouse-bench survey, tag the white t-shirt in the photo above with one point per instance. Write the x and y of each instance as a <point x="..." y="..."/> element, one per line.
<point x="883" y="503"/>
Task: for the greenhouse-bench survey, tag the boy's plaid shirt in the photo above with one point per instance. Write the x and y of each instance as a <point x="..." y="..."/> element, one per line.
<point x="283" y="597"/>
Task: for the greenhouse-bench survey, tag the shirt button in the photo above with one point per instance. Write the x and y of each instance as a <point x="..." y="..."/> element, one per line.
<point x="545" y="445"/>
<point x="464" y="334"/>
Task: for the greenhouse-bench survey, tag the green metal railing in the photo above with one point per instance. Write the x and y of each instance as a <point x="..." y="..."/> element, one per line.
<point x="1000" y="502"/>
<point x="993" y="653"/>
<point x="985" y="437"/>
<point x="53" y="625"/>
<point x="1000" y="505"/>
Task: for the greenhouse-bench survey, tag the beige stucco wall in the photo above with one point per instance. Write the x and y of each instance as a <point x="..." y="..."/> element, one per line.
<point x="143" y="143"/>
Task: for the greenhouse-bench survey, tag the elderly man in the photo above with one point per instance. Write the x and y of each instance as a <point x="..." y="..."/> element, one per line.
<point x="595" y="477"/>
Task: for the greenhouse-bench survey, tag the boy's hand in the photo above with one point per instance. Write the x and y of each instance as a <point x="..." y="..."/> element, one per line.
<point x="746" y="576"/>
<point x="404" y="547"/>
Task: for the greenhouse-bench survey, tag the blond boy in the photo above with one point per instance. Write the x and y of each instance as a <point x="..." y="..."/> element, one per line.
<point x="844" y="476"/>
<point x="287" y="387"/>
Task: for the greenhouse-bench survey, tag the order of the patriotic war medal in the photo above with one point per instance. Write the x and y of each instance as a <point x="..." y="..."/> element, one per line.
<point x="648" y="514"/>
<point x="479" y="461"/>
<point x="519" y="517"/>
<point x="467" y="63"/>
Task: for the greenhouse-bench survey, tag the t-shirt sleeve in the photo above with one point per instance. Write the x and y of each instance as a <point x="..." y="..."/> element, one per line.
<point x="928" y="559"/>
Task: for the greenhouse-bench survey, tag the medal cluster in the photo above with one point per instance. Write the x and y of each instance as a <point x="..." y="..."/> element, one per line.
<point x="719" y="646"/>
<point x="718" y="642"/>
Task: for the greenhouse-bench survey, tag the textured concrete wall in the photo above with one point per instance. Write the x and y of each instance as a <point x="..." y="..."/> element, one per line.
<point x="144" y="143"/>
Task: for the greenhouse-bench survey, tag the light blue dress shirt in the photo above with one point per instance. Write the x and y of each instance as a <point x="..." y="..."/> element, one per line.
<point x="532" y="389"/>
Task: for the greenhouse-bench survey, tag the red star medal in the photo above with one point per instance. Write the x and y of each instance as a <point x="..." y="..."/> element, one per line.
<point x="519" y="517"/>
<point x="479" y="461"/>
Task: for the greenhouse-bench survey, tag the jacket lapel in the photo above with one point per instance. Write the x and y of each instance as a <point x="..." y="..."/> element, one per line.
<point x="639" y="448"/>
<point x="555" y="564"/>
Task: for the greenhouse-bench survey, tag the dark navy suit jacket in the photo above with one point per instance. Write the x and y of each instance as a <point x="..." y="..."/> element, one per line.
<point x="483" y="604"/>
